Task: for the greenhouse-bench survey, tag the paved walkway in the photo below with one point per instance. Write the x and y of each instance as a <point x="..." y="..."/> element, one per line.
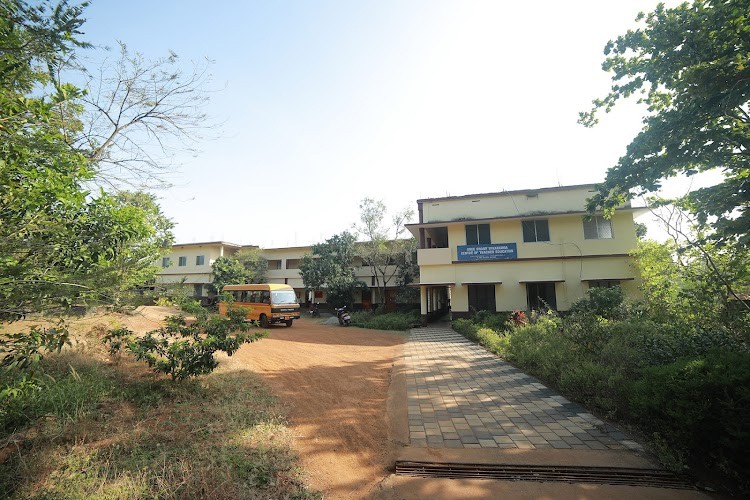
<point x="461" y="396"/>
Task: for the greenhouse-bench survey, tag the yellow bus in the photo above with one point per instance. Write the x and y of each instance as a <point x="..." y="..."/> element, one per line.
<point x="268" y="303"/>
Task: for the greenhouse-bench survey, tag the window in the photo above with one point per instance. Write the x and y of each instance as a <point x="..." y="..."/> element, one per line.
<point x="200" y="260"/>
<point x="541" y="296"/>
<point x="477" y="234"/>
<point x="604" y="283"/>
<point x="198" y="290"/>
<point x="165" y="262"/>
<point x="292" y="263"/>
<point x="535" y="230"/>
<point x="182" y="261"/>
<point x="482" y="298"/>
<point x="274" y="264"/>
<point x="597" y="228"/>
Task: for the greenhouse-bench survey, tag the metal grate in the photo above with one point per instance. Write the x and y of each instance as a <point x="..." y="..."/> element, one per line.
<point x="543" y="473"/>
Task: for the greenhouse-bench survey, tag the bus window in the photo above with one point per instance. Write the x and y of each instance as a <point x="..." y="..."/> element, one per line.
<point x="265" y="297"/>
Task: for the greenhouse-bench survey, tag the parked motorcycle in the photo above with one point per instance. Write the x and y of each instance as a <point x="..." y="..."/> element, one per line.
<point x="315" y="310"/>
<point x="343" y="315"/>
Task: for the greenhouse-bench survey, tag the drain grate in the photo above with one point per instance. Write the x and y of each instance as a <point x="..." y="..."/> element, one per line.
<point x="543" y="473"/>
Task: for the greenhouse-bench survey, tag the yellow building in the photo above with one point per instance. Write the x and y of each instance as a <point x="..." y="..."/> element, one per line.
<point x="519" y="250"/>
<point x="190" y="264"/>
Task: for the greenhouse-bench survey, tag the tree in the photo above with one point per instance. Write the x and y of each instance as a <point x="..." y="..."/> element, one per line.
<point x="246" y="266"/>
<point x="690" y="65"/>
<point x="384" y="250"/>
<point x="331" y="266"/>
<point x="228" y="271"/>
<point x="60" y="244"/>
<point x="133" y="108"/>
<point x="254" y="263"/>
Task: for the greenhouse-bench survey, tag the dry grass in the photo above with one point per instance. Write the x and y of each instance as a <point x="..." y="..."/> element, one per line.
<point x="112" y="429"/>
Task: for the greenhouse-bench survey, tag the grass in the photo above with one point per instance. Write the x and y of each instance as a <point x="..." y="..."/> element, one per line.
<point x="115" y="430"/>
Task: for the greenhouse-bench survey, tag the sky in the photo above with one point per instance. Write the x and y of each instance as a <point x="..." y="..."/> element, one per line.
<point x="319" y="104"/>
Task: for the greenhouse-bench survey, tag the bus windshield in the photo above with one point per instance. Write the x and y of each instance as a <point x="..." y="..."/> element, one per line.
<point x="283" y="297"/>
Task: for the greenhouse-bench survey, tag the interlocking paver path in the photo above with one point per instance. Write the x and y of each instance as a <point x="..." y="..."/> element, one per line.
<point x="461" y="396"/>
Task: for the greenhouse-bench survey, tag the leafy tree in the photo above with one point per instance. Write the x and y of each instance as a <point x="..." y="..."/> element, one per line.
<point x="228" y="271"/>
<point x="60" y="244"/>
<point x="254" y="263"/>
<point x="246" y="266"/>
<point x="384" y="250"/>
<point x="689" y="64"/>
<point x="331" y="266"/>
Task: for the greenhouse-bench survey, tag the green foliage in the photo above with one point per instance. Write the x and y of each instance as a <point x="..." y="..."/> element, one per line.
<point x="689" y="66"/>
<point x="228" y="271"/>
<point x="331" y="266"/>
<point x="60" y="244"/>
<point x="692" y="286"/>
<point x="603" y="302"/>
<point x="494" y="321"/>
<point x="386" y="321"/>
<point x="701" y="407"/>
<point x="184" y="350"/>
<point x="254" y="263"/>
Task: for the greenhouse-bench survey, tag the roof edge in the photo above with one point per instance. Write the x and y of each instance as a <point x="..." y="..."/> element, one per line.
<point x="510" y="193"/>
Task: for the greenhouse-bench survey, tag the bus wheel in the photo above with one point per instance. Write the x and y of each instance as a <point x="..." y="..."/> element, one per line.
<point x="263" y="321"/>
<point x="288" y="322"/>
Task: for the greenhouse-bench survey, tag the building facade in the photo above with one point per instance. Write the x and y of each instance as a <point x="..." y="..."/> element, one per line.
<point x="519" y="250"/>
<point x="190" y="265"/>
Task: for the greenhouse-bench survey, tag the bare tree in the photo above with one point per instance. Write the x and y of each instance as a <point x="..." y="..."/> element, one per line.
<point x="138" y="113"/>
<point x="385" y="248"/>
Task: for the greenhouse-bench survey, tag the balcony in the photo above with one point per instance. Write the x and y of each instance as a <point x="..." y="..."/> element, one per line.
<point x="434" y="256"/>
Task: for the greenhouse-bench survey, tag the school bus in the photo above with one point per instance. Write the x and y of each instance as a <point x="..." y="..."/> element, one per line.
<point x="268" y="303"/>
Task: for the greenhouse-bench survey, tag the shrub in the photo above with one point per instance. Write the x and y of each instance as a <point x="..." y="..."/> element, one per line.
<point x="540" y="349"/>
<point x="604" y="302"/>
<point x="494" y="321"/>
<point x="466" y="328"/>
<point x="598" y="386"/>
<point x="701" y="407"/>
<point x="181" y="350"/>
<point x="386" y="321"/>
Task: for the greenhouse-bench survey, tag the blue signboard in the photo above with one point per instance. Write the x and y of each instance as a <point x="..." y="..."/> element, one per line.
<point x="489" y="251"/>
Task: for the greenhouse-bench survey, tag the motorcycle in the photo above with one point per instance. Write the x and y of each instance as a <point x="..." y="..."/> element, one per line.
<point x="315" y="311"/>
<point x="343" y="315"/>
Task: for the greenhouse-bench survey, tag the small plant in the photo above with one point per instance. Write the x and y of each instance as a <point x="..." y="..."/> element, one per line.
<point x="183" y="350"/>
<point x="519" y="318"/>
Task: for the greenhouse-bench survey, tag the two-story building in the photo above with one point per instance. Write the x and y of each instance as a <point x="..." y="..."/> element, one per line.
<point x="519" y="250"/>
<point x="190" y="265"/>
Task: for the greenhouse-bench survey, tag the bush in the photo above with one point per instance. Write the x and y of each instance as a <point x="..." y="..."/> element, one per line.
<point x="600" y="387"/>
<point x="701" y="407"/>
<point x="494" y="321"/>
<point x="386" y="321"/>
<point x="181" y="350"/>
<point x="466" y="328"/>
<point x="605" y="302"/>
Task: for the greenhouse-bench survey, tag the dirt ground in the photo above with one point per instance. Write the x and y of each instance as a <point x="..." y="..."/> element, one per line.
<point x="335" y="381"/>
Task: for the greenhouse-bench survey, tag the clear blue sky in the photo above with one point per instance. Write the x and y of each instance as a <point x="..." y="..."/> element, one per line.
<point x="323" y="103"/>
